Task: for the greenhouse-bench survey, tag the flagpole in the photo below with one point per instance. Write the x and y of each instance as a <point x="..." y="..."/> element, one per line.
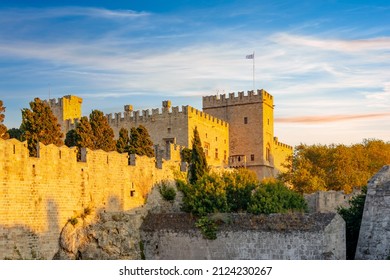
<point x="253" y="71"/>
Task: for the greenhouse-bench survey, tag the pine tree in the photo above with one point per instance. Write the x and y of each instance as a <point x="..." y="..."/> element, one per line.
<point x="16" y="133"/>
<point x="122" y="145"/>
<point x="103" y="133"/>
<point x="198" y="163"/>
<point x="140" y="142"/>
<point x="40" y="125"/>
<point x="146" y="144"/>
<point x="71" y="138"/>
<point x="3" y="128"/>
<point x="84" y="137"/>
<point x="134" y="145"/>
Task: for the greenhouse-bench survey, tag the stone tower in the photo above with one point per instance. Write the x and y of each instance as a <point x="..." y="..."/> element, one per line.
<point x="66" y="109"/>
<point x="251" y="130"/>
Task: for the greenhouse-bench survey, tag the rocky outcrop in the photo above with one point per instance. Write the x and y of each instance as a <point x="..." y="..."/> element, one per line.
<point x="110" y="235"/>
<point x="374" y="236"/>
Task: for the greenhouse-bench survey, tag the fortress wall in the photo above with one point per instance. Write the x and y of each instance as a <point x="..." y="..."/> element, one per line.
<point x="39" y="195"/>
<point x="214" y="135"/>
<point x="165" y="124"/>
<point x="319" y="237"/>
<point x="280" y="155"/>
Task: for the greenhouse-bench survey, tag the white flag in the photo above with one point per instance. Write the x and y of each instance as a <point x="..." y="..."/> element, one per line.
<point x="250" y="56"/>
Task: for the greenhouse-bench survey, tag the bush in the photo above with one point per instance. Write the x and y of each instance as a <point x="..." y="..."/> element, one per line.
<point x="167" y="192"/>
<point x="274" y="197"/>
<point x="207" y="195"/>
<point x="238" y="191"/>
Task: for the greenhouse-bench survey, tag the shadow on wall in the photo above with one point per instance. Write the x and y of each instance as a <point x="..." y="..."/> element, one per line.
<point x="20" y="242"/>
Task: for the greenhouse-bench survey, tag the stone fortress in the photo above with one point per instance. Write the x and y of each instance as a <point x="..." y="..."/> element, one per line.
<point x="56" y="206"/>
<point x="235" y="130"/>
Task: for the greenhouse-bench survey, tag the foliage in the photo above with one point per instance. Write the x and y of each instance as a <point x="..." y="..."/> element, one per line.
<point x="335" y="167"/>
<point x="16" y="133"/>
<point x="40" y="125"/>
<point x="140" y="142"/>
<point x="186" y="155"/>
<point x="239" y="186"/>
<point x="207" y="195"/>
<point x="84" y="134"/>
<point x="3" y="128"/>
<point x="123" y="142"/>
<point x="238" y="191"/>
<point x="103" y="135"/>
<point x="275" y="198"/>
<point x="353" y="218"/>
<point x="208" y="227"/>
<point x="198" y="163"/>
<point x="71" y="138"/>
<point x="166" y="191"/>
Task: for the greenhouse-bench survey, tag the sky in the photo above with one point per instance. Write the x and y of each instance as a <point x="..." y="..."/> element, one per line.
<point x="327" y="63"/>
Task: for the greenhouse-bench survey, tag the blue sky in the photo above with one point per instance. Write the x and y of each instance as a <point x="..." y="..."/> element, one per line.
<point x="327" y="63"/>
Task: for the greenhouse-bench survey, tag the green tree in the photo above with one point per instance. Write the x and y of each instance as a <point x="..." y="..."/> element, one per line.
<point x="71" y="138"/>
<point x="103" y="135"/>
<point x="3" y="128"/>
<point x="123" y="142"/>
<point x="198" y="163"/>
<point x="84" y="137"/>
<point x="40" y="125"/>
<point x="16" y="133"/>
<point x="186" y="155"/>
<point x="335" y="167"/>
<point x="140" y="142"/>
<point x="352" y="216"/>
<point x="145" y="141"/>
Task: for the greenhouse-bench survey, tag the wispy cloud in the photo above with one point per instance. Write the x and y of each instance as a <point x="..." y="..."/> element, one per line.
<point x="333" y="118"/>
<point x="26" y="14"/>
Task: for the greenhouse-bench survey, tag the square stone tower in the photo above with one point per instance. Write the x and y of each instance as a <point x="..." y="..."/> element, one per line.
<point x="251" y="129"/>
<point x="66" y="109"/>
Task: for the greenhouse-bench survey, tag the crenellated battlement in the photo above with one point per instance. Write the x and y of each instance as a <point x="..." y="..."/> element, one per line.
<point x="237" y="99"/>
<point x="147" y="115"/>
<point x="207" y="117"/>
<point x="282" y="145"/>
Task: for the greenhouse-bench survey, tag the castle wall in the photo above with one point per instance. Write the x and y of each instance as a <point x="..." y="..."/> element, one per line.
<point x="328" y="201"/>
<point x="320" y="237"/>
<point x="374" y="235"/>
<point x="175" y="126"/>
<point x="214" y="135"/>
<point x="39" y="195"/>
<point x="280" y="155"/>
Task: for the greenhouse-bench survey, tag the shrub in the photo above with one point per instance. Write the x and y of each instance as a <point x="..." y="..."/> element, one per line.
<point x="275" y="198"/>
<point x="167" y="192"/>
<point x="207" y="227"/>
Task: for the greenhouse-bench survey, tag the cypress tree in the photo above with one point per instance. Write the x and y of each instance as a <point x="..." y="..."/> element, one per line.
<point x="102" y="132"/>
<point x="123" y="142"/>
<point x="198" y="163"/>
<point x="40" y="125"/>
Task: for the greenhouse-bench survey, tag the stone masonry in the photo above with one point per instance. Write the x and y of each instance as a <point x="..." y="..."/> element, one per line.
<point x="374" y="236"/>
<point x="277" y="236"/>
